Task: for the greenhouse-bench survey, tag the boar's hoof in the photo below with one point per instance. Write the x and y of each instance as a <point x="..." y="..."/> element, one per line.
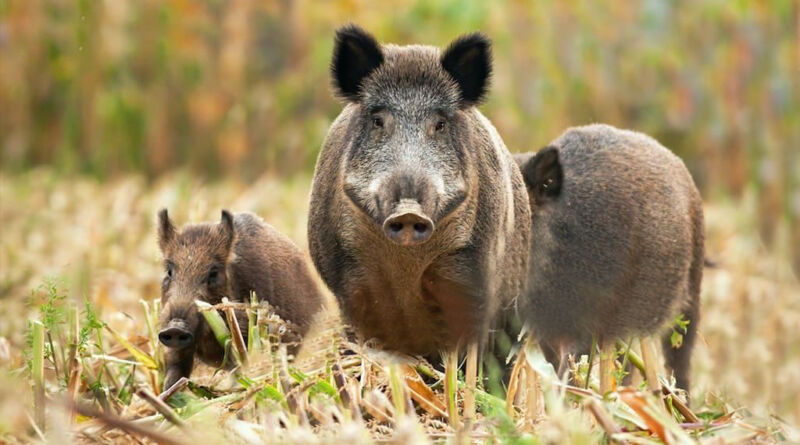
<point x="176" y="337"/>
<point x="408" y="229"/>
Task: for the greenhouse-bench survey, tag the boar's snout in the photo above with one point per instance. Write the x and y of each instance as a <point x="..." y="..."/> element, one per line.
<point x="408" y="226"/>
<point x="176" y="335"/>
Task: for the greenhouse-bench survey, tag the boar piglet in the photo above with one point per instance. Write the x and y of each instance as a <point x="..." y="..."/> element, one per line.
<point x="616" y="242"/>
<point x="419" y="219"/>
<point x="239" y="255"/>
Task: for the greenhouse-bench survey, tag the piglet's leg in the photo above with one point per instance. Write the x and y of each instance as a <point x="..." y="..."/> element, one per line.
<point x="179" y="363"/>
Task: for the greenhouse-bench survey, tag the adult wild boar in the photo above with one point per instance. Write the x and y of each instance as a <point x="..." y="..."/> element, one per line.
<point x="617" y="242"/>
<point x="238" y="255"/>
<point x="419" y="219"/>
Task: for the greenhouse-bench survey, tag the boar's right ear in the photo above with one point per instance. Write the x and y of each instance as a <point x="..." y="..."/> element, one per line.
<point x="228" y="229"/>
<point x="355" y="55"/>
<point x="469" y="60"/>
<point x="543" y="174"/>
<point x="166" y="230"/>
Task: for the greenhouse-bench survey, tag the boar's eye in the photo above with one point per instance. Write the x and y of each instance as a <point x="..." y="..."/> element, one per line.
<point x="440" y="125"/>
<point x="213" y="276"/>
<point x="169" y="270"/>
<point x="377" y="121"/>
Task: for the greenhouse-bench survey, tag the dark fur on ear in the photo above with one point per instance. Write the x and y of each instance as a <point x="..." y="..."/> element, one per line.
<point x="166" y="230"/>
<point x="469" y="60"/>
<point x="355" y="55"/>
<point x="228" y="228"/>
<point x="543" y="174"/>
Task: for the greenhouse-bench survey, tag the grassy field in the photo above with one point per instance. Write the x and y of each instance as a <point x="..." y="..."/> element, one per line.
<point x="81" y="256"/>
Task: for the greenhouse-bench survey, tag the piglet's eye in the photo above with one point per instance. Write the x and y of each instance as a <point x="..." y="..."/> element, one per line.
<point x="440" y="125"/>
<point x="213" y="276"/>
<point x="377" y="121"/>
<point x="169" y="270"/>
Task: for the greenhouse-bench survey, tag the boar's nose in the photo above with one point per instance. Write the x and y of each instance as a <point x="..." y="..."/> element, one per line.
<point x="176" y="337"/>
<point x="407" y="226"/>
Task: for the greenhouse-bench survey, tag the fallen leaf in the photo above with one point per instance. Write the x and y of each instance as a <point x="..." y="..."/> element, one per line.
<point x="422" y="393"/>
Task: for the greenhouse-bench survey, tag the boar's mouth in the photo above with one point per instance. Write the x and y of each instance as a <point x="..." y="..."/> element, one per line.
<point x="373" y="207"/>
<point x="350" y="190"/>
<point x="453" y="202"/>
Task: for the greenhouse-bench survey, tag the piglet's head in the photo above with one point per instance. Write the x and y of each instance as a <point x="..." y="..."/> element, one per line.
<point x="196" y="267"/>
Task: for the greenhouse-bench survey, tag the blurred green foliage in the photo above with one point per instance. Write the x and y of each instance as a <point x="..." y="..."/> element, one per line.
<point x="242" y="87"/>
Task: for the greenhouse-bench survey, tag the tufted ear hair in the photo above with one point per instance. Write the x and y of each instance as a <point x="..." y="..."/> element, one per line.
<point x="355" y="55"/>
<point x="166" y="230"/>
<point x="469" y="60"/>
<point x="543" y="174"/>
<point x="228" y="229"/>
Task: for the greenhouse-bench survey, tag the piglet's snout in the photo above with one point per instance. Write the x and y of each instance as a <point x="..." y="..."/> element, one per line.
<point x="176" y="335"/>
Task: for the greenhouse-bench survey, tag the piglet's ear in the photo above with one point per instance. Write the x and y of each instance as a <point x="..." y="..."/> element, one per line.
<point x="543" y="174"/>
<point x="166" y="230"/>
<point x="355" y="55"/>
<point x="228" y="229"/>
<point x="469" y="60"/>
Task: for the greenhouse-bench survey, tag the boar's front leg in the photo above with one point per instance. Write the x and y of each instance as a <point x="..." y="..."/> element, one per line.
<point x="179" y="363"/>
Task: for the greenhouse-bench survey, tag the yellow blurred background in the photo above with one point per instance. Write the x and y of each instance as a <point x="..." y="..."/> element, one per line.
<point x="242" y="87"/>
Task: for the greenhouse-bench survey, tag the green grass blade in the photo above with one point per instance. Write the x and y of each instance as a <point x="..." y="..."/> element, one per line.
<point x="37" y="373"/>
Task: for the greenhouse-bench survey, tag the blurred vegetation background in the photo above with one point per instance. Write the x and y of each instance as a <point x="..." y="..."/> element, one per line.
<point x="241" y="88"/>
<point x="111" y="109"/>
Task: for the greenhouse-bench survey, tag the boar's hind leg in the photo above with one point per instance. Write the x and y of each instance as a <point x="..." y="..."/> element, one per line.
<point x="178" y="364"/>
<point x="679" y="359"/>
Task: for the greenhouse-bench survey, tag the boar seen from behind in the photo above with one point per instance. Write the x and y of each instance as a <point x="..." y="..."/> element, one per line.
<point x="617" y="242"/>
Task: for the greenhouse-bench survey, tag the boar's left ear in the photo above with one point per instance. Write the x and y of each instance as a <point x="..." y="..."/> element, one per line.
<point x="166" y="230"/>
<point x="228" y="229"/>
<point x="543" y="174"/>
<point x="355" y="55"/>
<point x="469" y="60"/>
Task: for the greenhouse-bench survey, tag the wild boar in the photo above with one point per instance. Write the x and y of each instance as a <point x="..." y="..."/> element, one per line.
<point x="239" y="255"/>
<point x="419" y="219"/>
<point x="617" y="242"/>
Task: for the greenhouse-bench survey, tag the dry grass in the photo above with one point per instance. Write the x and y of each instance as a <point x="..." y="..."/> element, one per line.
<point x="97" y="240"/>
